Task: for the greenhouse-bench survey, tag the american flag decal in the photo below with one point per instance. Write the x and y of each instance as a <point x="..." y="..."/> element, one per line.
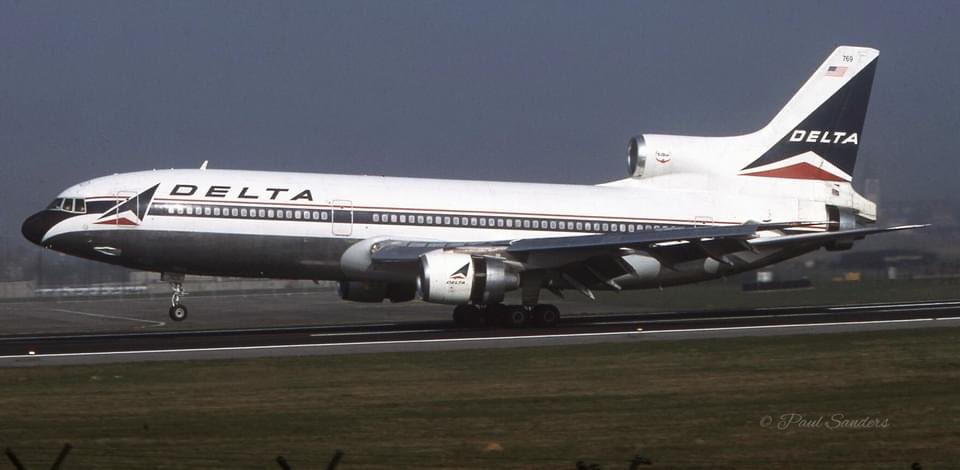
<point x="834" y="71"/>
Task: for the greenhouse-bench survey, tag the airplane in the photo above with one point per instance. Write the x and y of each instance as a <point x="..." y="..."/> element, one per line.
<point x="691" y="209"/>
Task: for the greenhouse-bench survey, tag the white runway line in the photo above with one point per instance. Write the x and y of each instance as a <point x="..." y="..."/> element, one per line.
<point x="953" y="303"/>
<point x="321" y="345"/>
<point x="696" y="319"/>
<point x="281" y="329"/>
<point x="793" y="325"/>
<point x="109" y="317"/>
<point x="899" y="310"/>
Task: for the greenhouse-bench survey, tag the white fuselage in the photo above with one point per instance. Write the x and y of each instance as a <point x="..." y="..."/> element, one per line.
<point x="634" y="204"/>
<point x="298" y="225"/>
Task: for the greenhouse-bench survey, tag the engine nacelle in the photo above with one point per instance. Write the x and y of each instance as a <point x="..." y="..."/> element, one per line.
<point x="650" y="155"/>
<point x="636" y="156"/>
<point x="372" y="291"/>
<point x="458" y="278"/>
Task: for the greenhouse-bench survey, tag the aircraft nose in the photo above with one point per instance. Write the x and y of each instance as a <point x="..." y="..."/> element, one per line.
<point x="37" y="225"/>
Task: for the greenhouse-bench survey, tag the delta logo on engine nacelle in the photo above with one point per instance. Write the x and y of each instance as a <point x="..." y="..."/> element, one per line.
<point x="459" y="277"/>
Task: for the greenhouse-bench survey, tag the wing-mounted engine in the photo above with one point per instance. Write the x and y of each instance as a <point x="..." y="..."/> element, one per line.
<point x="459" y="278"/>
<point x="650" y="155"/>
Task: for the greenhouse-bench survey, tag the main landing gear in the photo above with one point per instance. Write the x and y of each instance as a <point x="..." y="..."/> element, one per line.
<point x="178" y="311"/>
<point x="514" y="316"/>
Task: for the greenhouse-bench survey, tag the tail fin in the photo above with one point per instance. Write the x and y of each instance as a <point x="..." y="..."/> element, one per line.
<point x="817" y="134"/>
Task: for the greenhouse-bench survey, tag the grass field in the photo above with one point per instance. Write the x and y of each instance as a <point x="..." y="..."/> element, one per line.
<point x="682" y="404"/>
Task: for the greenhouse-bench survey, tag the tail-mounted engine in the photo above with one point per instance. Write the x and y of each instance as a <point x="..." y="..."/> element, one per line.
<point x="636" y="156"/>
<point x="650" y="155"/>
<point x="458" y="278"/>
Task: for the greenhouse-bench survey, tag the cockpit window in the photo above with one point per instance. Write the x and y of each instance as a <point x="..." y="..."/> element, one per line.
<point x="73" y="205"/>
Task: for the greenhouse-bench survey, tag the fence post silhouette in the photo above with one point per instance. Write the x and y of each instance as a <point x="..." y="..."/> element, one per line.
<point x="62" y="456"/>
<point x="14" y="460"/>
<point x="337" y="456"/>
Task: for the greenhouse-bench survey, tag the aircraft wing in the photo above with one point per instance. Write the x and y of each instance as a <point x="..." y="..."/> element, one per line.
<point x="673" y="246"/>
<point x="587" y="262"/>
<point x="735" y="237"/>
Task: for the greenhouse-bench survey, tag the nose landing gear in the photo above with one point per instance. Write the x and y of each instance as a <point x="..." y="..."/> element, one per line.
<point x="178" y="311"/>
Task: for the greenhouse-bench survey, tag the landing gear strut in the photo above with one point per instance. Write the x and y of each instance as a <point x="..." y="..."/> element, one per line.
<point x="178" y="311"/>
<point x="513" y="316"/>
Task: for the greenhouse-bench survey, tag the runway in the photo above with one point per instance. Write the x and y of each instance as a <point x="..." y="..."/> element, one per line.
<point x="423" y="335"/>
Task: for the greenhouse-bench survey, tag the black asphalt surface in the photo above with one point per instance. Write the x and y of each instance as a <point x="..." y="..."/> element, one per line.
<point x="62" y="348"/>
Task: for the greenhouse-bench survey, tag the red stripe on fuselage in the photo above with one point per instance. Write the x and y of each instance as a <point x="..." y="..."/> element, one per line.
<point x="120" y="221"/>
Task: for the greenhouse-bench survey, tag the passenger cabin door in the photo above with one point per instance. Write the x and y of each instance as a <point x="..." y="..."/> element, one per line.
<point x="122" y="197"/>
<point x="342" y="217"/>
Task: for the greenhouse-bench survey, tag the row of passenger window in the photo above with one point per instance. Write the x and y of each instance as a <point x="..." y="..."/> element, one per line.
<point x="512" y="223"/>
<point x="414" y="219"/>
<point x="245" y="213"/>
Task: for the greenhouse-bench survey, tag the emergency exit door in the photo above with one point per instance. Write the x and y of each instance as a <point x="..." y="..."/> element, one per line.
<point x="342" y="217"/>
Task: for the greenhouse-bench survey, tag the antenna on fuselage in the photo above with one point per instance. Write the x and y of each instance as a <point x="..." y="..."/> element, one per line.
<point x="203" y="166"/>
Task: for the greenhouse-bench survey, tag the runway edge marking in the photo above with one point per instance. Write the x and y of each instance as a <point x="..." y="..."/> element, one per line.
<point x="793" y="325"/>
<point x="316" y="345"/>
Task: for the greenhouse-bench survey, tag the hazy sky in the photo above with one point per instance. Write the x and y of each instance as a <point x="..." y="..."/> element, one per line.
<point x="507" y="90"/>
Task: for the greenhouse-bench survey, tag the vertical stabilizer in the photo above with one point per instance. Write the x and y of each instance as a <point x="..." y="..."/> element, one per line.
<point x="817" y="134"/>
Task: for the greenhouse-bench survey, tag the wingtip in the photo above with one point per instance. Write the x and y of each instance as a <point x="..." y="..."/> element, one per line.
<point x="910" y="227"/>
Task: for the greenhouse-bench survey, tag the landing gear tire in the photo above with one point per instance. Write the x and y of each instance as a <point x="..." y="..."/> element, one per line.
<point x="546" y="315"/>
<point x="516" y="317"/>
<point x="178" y="312"/>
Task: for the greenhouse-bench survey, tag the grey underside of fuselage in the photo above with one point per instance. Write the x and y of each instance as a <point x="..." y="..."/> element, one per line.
<point x="216" y="254"/>
<point x="293" y="257"/>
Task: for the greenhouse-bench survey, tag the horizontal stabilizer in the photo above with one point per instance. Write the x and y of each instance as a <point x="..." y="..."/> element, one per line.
<point x="825" y="237"/>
